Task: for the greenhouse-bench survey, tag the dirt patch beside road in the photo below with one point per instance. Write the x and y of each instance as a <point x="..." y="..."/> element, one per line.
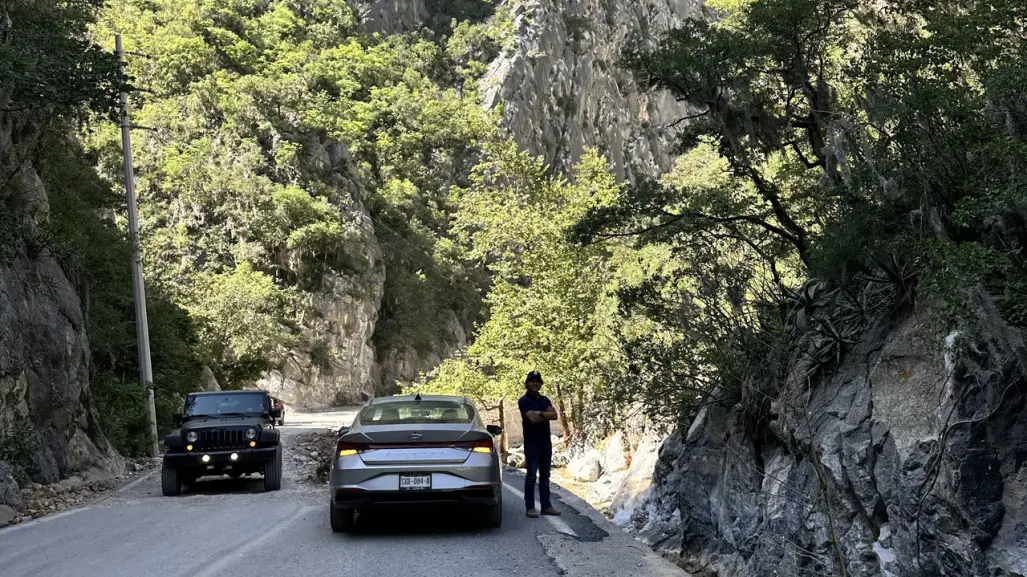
<point x="41" y="500"/>
<point x="312" y="454"/>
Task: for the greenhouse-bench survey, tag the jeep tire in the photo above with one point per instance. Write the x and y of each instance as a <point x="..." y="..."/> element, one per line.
<point x="170" y="481"/>
<point x="273" y="472"/>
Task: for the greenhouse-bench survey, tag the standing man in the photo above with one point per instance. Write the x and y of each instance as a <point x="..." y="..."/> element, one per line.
<point x="536" y="412"/>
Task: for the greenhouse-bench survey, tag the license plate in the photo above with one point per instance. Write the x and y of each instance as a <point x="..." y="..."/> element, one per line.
<point x="414" y="482"/>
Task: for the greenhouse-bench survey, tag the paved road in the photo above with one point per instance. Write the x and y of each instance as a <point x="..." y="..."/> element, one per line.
<point x="231" y="527"/>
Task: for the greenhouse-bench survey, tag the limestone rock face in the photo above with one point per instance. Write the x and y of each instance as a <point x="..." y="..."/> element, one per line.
<point x="336" y="363"/>
<point x="390" y="16"/>
<point x="562" y="90"/>
<point x="44" y="351"/>
<point x="914" y="461"/>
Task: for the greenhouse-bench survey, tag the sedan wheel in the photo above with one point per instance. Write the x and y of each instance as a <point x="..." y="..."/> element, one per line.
<point x="493" y="515"/>
<point x="342" y="519"/>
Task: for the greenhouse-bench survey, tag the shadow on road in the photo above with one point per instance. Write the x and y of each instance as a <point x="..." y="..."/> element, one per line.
<point x="418" y="520"/>
<point x="226" y="485"/>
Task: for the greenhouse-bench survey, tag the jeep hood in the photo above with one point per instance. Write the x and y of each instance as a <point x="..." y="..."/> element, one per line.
<point x="216" y="423"/>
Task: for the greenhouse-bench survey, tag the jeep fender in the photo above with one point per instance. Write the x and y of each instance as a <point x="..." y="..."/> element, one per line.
<point x="268" y="435"/>
<point x="174" y="440"/>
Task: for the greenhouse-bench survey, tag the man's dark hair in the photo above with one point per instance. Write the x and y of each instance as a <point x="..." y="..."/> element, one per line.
<point x="533" y="376"/>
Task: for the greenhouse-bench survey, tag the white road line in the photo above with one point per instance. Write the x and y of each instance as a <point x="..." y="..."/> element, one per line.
<point x="126" y="488"/>
<point x="219" y="565"/>
<point x="67" y="512"/>
<point x="557" y="523"/>
<point x="33" y="522"/>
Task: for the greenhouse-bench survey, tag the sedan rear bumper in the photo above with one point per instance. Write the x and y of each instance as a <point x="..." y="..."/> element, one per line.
<point x="346" y="498"/>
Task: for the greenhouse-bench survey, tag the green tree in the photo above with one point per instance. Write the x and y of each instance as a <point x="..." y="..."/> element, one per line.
<point x="254" y="115"/>
<point x="871" y="149"/>
<point x="549" y="305"/>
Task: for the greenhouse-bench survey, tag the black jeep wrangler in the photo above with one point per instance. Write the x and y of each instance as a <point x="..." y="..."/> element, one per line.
<point x="224" y="432"/>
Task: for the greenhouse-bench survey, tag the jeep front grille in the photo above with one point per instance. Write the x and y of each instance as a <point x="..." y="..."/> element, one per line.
<point x="221" y="440"/>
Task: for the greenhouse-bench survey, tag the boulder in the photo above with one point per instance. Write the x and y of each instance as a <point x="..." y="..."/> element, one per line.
<point x="208" y="382"/>
<point x="560" y="459"/>
<point x="613" y="454"/>
<point x="516" y="460"/>
<point x="606" y="487"/>
<point x="637" y="480"/>
<point x="586" y="467"/>
<point x="10" y="494"/>
<point x="7" y="515"/>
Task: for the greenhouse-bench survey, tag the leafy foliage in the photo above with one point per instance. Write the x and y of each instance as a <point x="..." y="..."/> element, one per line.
<point x="834" y="139"/>
<point x="549" y="304"/>
<point x="48" y="66"/>
<point x="17" y="446"/>
<point x="256" y="113"/>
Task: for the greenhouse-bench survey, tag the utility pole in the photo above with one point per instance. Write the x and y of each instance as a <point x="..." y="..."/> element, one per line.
<point x="138" y="288"/>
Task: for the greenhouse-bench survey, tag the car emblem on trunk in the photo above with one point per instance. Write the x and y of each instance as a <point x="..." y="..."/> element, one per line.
<point x="415" y="436"/>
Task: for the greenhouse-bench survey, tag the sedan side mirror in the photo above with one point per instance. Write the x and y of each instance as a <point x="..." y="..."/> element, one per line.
<point x="176" y="419"/>
<point x="343" y="430"/>
<point x="496" y="430"/>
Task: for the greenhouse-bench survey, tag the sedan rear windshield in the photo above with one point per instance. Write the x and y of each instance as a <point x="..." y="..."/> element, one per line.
<point x="416" y="413"/>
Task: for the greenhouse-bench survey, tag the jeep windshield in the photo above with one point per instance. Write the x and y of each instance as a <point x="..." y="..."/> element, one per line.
<point x="227" y="405"/>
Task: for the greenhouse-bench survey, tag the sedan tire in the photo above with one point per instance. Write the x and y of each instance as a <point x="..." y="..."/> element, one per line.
<point x="492" y="515"/>
<point x="273" y="472"/>
<point x="343" y="520"/>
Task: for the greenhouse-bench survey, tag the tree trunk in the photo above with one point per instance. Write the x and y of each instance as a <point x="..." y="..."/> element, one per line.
<point x="562" y="413"/>
<point x="504" y="439"/>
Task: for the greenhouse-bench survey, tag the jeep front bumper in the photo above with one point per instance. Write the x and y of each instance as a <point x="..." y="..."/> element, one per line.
<point x="218" y="458"/>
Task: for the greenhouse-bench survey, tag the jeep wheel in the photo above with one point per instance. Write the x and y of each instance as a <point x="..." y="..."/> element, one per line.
<point x="170" y="482"/>
<point x="342" y="519"/>
<point x="273" y="472"/>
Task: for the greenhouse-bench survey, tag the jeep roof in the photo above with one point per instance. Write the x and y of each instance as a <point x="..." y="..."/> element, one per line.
<point x="205" y="393"/>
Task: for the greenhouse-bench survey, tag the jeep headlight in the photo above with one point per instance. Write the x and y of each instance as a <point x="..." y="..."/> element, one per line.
<point x="251" y="434"/>
<point x="191" y="436"/>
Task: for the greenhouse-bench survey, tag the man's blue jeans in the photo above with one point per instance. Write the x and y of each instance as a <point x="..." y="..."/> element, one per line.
<point x="540" y="460"/>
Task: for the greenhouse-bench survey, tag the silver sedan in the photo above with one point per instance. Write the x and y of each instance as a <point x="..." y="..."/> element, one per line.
<point x="411" y="449"/>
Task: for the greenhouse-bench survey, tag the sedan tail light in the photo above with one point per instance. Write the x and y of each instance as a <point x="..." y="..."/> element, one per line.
<point x="344" y="449"/>
<point x="482" y="446"/>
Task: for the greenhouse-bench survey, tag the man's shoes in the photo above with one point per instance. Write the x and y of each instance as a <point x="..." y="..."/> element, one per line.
<point x="551" y="511"/>
<point x="532" y="513"/>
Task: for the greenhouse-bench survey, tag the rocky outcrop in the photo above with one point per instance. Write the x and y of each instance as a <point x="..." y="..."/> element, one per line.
<point x="562" y="90"/>
<point x="911" y="460"/>
<point x="390" y="16"/>
<point x="44" y="352"/>
<point x="405" y="365"/>
<point x="336" y="363"/>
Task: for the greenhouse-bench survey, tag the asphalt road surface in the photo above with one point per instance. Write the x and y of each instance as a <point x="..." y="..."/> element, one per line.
<point x="227" y="527"/>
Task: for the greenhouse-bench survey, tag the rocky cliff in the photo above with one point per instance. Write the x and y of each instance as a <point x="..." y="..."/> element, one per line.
<point x="911" y="460"/>
<point x="562" y="90"/>
<point x="336" y="364"/>
<point x="44" y="350"/>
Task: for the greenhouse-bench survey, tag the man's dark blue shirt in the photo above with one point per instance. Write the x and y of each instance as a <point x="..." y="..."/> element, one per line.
<point x="536" y="434"/>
